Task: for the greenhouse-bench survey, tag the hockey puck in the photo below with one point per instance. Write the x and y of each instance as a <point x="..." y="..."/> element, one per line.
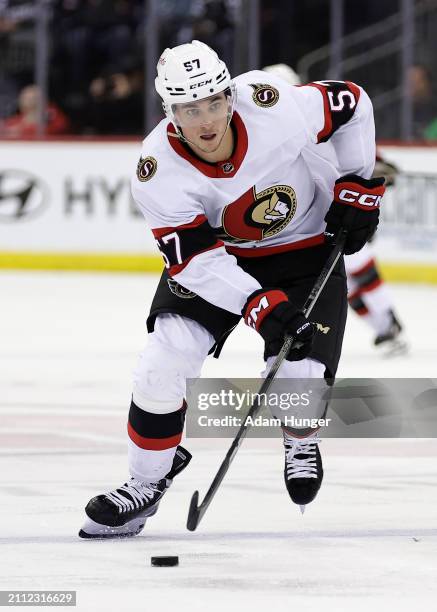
<point x="165" y="561"/>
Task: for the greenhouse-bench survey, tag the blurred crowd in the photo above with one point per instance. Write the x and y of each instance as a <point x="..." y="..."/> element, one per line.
<point x="97" y="49"/>
<point x="96" y="76"/>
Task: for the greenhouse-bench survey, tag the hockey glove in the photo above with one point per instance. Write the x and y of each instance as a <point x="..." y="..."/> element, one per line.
<point x="356" y="209"/>
<point x="270" y="312"/>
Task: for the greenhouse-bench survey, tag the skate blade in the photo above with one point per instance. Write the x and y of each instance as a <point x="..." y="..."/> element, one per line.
<point x="93" y="530"/>
<point x="302" y="508"/>
<point x="396" y="348"/>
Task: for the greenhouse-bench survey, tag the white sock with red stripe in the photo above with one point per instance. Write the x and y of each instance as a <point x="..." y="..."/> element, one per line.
<point x="379" y="305"/>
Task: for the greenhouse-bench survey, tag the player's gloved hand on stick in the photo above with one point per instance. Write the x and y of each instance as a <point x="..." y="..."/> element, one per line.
<point x="270" y="312"/>
<point x="355" y="208"/>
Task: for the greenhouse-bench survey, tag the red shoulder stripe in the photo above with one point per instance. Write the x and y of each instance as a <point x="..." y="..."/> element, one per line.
<point x="327" y="128"/>
<point x="177" y="268"/>
<point x="162" y="231"/>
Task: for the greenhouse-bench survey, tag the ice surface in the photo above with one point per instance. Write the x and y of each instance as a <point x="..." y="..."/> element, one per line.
<point x="68" y="345"/>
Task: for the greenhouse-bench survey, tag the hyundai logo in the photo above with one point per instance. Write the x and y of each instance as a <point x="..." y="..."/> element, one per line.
<point x="22" y="196"/>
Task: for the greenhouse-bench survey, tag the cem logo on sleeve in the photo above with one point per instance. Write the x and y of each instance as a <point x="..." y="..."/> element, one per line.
<point x="146" y="168"/>
<point x="264" y="95"/>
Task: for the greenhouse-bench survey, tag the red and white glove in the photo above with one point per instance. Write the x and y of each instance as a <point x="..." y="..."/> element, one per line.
<point x="356" y="209"/>
<point x="270" y="312"/>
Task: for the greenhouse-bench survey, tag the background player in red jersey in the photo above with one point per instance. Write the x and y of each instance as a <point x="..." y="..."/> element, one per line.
<point x="368" y="294"/>
<point x="245" y="190"/>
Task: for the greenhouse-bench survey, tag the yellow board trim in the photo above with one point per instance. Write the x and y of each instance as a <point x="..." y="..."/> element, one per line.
<point x="409" y="272"/>
<point x="97" y="262"/>
<point x="120" y="262"/>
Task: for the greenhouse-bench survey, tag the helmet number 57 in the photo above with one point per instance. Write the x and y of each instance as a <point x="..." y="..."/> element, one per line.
<point x="189" y="65"/>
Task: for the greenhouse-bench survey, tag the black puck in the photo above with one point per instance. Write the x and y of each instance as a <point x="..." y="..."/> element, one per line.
<point x="165" y="561"/>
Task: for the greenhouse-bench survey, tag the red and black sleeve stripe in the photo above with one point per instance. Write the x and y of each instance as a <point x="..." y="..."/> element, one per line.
<point x="178" y="245"/>
<point x="152" y="431"/>
<point x="340" y="99"/>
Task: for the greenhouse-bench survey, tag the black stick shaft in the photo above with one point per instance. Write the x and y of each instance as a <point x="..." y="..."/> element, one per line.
<point x="196" y="512"/>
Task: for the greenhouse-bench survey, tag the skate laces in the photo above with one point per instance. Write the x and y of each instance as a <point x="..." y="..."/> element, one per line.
<point x="139" y="493"/>
<point x="306" y="465"/>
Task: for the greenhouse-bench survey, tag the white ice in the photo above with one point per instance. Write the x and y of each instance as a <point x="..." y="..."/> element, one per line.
<point x="68" y="344"/>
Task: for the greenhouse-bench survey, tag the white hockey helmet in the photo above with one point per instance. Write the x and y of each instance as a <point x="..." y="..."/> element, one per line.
<point x="189" y="73"/>
<point x="285" y="72"/>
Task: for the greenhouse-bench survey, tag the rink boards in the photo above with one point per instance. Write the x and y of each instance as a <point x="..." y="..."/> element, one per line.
<point x="67" y="205"/>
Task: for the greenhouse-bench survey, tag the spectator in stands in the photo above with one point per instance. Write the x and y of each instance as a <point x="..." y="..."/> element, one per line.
<point x="431" y="130"/>
<point x="214" y="27"/>
<point x="8" y="95"/>
<point x="16" y="16"/>
<point x="116" y="101"/>
<point x="424" y="99"/>
<point x="25" y="123"/>
<point x="17" y="45"/>
<point x="89" y="36"/>
<point x="92" y="34"/>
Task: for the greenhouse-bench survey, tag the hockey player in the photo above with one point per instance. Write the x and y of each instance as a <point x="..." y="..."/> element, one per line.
<point x="368" y="294"/>
<point x="244" y="200"/>
<point x="369" y="297"/>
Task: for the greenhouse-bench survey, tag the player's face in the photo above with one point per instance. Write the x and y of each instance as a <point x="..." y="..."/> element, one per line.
<point x="204" y="122"/>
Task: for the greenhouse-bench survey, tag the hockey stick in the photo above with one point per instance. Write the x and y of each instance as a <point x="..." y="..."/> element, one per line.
<point x="196" y="512"/>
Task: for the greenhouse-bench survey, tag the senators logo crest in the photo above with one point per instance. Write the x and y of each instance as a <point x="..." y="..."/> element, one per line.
<point x="180" y="291"/>
<point x="264" y="95"/>
<point x="255" y="216"/>
<point x="146" y="168"/>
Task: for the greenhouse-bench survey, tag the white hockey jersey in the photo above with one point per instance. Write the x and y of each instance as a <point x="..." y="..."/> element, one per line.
<point x="270" y="196"/>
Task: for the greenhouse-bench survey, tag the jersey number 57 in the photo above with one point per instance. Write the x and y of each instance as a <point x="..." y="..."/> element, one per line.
<point x="170" y="240"/>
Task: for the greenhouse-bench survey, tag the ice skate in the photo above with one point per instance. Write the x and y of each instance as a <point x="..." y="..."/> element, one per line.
<point x="392" y="343"/>
<point x="123" y="512"/>
<point x="303" y="472"/>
